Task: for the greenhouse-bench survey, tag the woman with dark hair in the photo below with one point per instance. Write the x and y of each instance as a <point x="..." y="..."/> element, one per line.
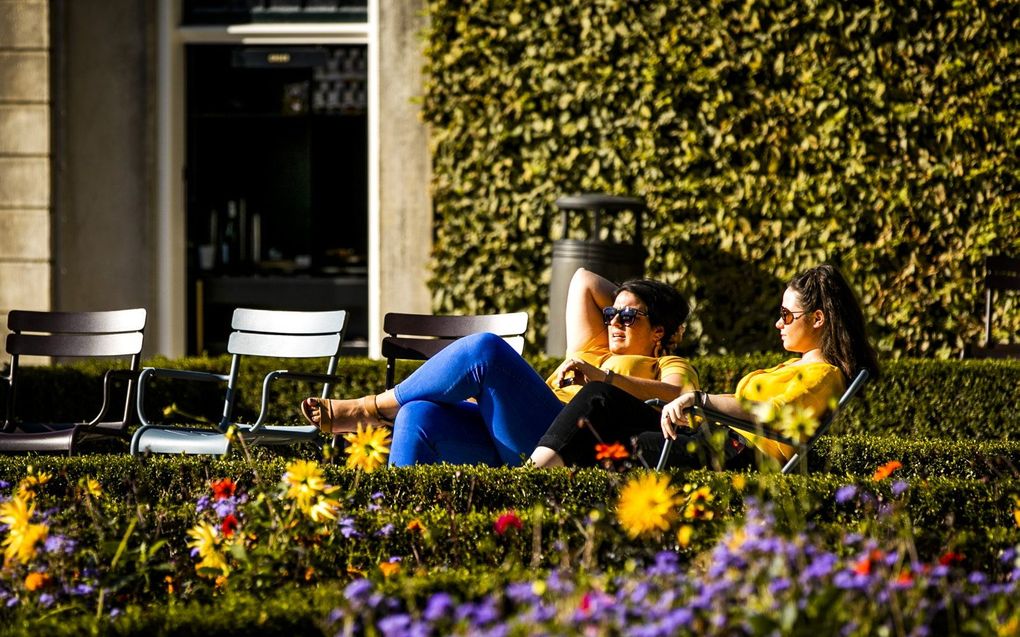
<point x="820" y="319"/>
<point x="478" y="401"/>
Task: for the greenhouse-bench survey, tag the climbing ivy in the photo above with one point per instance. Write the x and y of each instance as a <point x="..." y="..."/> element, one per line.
<point x="765" y="136"/>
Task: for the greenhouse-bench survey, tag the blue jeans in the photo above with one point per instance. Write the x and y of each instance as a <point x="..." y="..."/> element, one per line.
<point x="435" y="423"/>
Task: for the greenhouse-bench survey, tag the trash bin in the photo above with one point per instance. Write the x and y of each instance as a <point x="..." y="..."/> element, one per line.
<point x="605" y="252"/>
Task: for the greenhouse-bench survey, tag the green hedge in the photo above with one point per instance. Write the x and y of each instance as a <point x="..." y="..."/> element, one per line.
<point x="459" y="504"/>
<point x="913" y="398"/>
<point x="765" y="137"/>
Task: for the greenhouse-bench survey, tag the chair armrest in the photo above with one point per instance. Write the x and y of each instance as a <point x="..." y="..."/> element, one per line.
<point x="287" y="375"/>
<point x="111" y="375"/>
<point x="176" y="374"/>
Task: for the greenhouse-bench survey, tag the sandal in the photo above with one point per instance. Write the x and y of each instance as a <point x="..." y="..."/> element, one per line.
<point x="333" y="421"/>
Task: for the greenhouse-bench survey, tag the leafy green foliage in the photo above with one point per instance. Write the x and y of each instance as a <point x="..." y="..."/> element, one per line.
<point x="765" y="138"/>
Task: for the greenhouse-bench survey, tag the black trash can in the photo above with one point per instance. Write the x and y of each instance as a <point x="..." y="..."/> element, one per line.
<point x="606" y="251"/>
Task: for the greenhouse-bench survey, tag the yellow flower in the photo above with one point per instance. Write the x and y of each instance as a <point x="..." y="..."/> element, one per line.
<point x="697" y="503"/>
<point x="739" y="482"/>
<point x="34" y="581"/>
<point x="304" y="482"/>
<point x="22" y="535"/>
<point x="20" y="543"/>
<point x="683" y="536"/>
<point x="796" y="423"/>
<point x="205" y="539"/>
<point x="415" y="525"/>
<point x="324" y="509"/>
<point x="30" y="484"/>
<point x="367" y="448"/>
<point x="91" y="486"/>
<point x="647" y="504"/>
<point x="389" y="568"/>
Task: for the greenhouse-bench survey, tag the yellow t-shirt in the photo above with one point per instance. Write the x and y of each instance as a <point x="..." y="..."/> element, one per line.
<point x="629" y="365"/>
<point x="808" y="385"/>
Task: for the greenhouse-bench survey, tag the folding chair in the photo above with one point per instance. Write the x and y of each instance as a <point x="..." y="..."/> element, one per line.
<point x="108" y="334"/>
<point x="422" y="336"/>
<point x="720" y="419"/>
<point x="267" y="333"/>
<point x="1002" y="275"/>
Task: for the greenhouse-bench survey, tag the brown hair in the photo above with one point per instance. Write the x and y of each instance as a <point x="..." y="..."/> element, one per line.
<point x="844" y="341"/>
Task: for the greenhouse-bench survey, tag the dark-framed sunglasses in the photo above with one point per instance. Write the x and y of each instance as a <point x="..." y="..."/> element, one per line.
<point x="789" y="317"/>
<point x="628" y="315"/>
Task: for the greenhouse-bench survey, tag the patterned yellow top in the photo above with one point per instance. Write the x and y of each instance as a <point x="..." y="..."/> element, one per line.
<point x="805" y="385"/>
<point x="629" y="365"/>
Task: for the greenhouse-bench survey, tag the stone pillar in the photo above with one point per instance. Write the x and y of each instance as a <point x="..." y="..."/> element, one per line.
<point x="405" y="208"/>
<point x="25" y="254"/>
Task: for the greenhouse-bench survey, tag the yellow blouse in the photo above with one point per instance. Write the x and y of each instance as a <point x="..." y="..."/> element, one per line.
<point x="807" y="385"/>
<point x="647" y="367"/>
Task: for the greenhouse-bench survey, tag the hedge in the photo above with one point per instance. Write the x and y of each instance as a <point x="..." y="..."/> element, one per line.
<point x="914" y="397"/>
<point x="765" y="138"/>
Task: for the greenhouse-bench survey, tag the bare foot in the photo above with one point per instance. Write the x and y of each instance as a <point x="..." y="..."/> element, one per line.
<point x="342" y="416"/>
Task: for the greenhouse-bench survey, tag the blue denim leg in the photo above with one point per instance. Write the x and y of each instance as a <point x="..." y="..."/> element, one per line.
<point x="515" y="404"/>
<point x="429" y="433"/>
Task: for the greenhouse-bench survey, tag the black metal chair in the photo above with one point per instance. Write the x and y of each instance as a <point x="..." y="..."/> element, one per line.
<point x="1002" y="276"/>
<point x="267" y="333"/>
<point x="422" y="336"/>
<point x="109" y="334"/>
<point x="710" y="417"/>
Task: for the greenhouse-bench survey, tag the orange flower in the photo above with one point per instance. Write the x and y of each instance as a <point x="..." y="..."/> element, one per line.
<point x="886" y="470"/>
<point x="615" y="451"/>
<point x="863" y="567"/>
<point x="905" y="577"/>
<point x="169" y="584"/>
<point x="389" y="568"/>
<point x="223" y="489"/>
<point x="415" y="525"/>
<point x="35" y="581"/>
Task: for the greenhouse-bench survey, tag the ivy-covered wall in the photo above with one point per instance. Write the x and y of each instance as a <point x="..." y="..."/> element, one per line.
<point x="766" y="137"/>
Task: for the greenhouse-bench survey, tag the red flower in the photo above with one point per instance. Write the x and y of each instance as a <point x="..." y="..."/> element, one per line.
<point x="950" y="558"/>
<point x="615" y="451"/>
<point x="229" y="525"/>
<point x="223" y="489"/>
<point x="886" y="470"/>
<point x="863" y="567"/>
<point x="905" y="578"/>
<point x="507" y="520"/>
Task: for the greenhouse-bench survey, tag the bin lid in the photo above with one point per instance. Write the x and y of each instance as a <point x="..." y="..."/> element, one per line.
<point x="598" y="201"/>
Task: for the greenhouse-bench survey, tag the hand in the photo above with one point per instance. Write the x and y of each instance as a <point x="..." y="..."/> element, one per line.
<point x="674" y="414"/>
<point x="577" y="372"/>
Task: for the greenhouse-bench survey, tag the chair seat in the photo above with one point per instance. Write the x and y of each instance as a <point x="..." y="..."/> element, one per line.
<point x="44" y="441"/>
<point x="176" y="440"/>
<point x="279" y="434"/>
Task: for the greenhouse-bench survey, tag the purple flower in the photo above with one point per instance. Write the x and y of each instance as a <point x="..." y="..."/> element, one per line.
<point x="438" y="607"/>
<point x="46" y="600"/>
<point x="666" y="563"/>
<point x="202" y="504"/>
<point x="225" y="507"/>
<point x="358" y="591"/>
<point x="385" y="531"/>
<point x="898" y="488"/>
<point x="393" y="625"/>
<point x="347" y="528"/>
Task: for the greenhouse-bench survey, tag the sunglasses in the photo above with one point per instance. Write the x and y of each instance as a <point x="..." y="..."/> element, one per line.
<point x="628" y="315"/>
<point x="789" y="317"/>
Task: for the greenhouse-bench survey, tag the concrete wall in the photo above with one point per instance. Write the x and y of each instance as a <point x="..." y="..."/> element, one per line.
<point x="104" y="153"/>
<point x="25" y="252"/>
<point x="404" y="173"/>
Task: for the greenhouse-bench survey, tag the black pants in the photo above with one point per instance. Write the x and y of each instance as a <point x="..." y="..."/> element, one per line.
<point x="604" y="413"/>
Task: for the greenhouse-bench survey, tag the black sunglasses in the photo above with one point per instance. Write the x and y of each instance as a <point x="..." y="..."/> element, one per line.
<point x="628" y="315"/>
<point x="788" y="317"/>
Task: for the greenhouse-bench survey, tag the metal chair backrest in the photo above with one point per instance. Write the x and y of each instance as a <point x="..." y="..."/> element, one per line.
<point x="113" y="334"/>
<point x="282" y="334"/>
<point x="422" y="336"/>
<point x="823" y="427"/>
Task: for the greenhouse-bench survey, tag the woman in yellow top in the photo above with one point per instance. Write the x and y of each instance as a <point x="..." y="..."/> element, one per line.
<point x="478" y="401"/>
<point x="820" y="319"/>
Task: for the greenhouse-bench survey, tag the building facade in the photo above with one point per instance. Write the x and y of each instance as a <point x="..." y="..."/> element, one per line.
<point x="191" y="156"/>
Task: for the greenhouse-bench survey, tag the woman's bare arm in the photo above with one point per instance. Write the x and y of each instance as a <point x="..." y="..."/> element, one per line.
<point x="673" y="413"/>
<point x="587" y="295"/>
